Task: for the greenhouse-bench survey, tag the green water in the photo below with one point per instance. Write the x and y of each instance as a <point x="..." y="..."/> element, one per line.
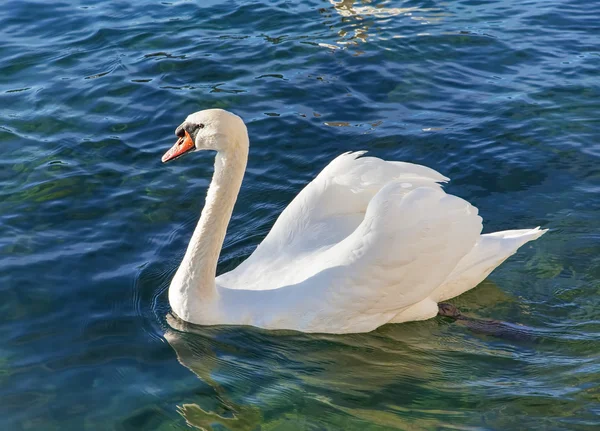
<point x="503" y="97"/>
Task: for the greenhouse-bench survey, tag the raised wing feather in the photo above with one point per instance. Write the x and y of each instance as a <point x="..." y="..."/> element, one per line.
<point x="324" y="213"/>
<point x="403" y="250"/>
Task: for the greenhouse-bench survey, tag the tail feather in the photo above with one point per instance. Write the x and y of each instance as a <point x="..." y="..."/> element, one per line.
<point x="524" y="234"/>
<point x="490" y="251"/>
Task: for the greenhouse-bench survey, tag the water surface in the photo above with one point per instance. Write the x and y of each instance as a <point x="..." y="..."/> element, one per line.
<point x="501" y="96"/>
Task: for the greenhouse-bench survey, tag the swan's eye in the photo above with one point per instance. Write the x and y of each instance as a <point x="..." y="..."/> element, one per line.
<point x="193" y="128"/>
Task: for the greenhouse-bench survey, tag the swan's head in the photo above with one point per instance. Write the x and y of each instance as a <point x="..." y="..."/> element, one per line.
<point x="211" y="129"/>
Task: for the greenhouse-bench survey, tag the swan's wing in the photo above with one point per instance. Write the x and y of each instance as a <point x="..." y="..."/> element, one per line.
<point x="406" y="246"/>
<point x="325" y="212"/>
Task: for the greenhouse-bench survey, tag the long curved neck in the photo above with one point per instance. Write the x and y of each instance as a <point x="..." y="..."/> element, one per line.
<point x="195" y="278"/>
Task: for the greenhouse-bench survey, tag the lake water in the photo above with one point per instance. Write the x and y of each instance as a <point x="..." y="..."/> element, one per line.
<point x="501" y="96"/>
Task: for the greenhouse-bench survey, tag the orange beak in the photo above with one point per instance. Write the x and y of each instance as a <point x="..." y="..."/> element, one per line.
<point x="182" y="146"/>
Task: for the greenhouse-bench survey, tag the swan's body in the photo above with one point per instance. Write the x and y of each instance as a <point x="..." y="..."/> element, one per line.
<point x="367" y="242"/>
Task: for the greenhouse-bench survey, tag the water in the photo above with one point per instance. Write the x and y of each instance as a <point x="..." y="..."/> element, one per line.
<point x="501" y="96"/>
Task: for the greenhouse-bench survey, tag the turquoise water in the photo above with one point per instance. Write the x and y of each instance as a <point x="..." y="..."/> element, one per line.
<point x="501" y="96"/>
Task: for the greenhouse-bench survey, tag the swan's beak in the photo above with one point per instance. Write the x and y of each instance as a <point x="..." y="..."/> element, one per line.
<point x="182" y="146"/>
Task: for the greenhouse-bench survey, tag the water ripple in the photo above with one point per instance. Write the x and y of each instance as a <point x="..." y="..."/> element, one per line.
<point x="500" y="96"/>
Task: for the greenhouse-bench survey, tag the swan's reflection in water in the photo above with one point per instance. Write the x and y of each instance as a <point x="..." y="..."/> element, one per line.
<point x="197" y="348"/>
<point x="398" y="376"/>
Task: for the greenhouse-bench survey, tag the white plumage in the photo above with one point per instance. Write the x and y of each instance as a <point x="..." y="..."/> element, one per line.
<point x="367" y="242"/>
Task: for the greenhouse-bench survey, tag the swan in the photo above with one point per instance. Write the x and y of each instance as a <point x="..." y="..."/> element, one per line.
<point x="367" y="242"/>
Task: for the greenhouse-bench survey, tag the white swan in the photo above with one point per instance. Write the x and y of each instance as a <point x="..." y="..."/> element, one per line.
<point x="367" y="242"/>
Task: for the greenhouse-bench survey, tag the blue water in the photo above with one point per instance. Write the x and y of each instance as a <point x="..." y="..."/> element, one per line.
<point x="501" y="96"/>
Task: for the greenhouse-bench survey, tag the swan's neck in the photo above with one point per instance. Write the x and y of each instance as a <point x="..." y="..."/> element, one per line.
<point x="195" y="278"/>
